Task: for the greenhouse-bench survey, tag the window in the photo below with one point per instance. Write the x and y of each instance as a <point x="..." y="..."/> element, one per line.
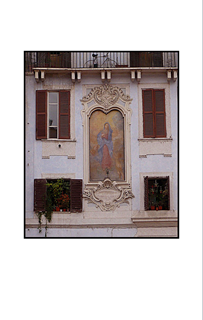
<point x="65" y="194"/>
<point x="154" y="117"/>
<point x="52" y="114"/>
<point x="157" y="196"/>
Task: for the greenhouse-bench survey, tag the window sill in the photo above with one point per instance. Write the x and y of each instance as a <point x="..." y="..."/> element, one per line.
<point x="155" y="146"/>
<point x="59" y="147"/>
<point x="59" y="140"/>
<point x="153" y="218"/>
<point x="155" y="139"/>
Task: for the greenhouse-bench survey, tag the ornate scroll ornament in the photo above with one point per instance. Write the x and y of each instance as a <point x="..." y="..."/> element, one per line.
<point x="106" y="95"/>
<point x="107" y="195"/>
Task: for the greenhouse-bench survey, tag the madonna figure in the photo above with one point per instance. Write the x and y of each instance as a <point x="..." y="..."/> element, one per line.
<point x="105" y="151"/>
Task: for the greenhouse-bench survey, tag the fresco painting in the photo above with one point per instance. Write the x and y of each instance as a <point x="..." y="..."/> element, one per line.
<point x="107" y="146"/>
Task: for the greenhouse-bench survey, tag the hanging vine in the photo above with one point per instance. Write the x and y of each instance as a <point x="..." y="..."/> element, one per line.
<point x="57" y="195"/>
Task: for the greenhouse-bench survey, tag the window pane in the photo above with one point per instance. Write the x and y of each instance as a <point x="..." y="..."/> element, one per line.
<point x="53" y="115"/>
<point x="53" y="97"/>
<point x="53" y="132"/>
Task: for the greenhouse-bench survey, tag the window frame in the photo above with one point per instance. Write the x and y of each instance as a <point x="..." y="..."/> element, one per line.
<point x="146" y="191"/>
<point x="46" y="113"/>
<point x="160" y="85"/>
<point x="161" y="174"/>
<point x="40" y="194"/>
<point x="154" y="113"/>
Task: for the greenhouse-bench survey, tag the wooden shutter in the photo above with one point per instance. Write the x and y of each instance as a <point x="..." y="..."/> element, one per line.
<point x="168" y="185"/>
<point x="66" y="59"/>
<point x="146" y="197"/>
<point x="145" y="59"/>
<point x="76" y="195"/>
<point x="64" y="114"/>
<point x="134" y="58"/>
<point x="160" y="118"/>
<point x="157" y="59"/>
<point x="148" y="116"/>
<point x="41" y="114"/>
<point x="39" y="194"/>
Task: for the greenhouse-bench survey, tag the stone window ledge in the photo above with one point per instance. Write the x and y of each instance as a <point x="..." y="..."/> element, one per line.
<point x="153" y="218"/>
<point x="152" y="146"/>
<point x="58" y="147"/>
<point x="154" y="139"/>
<point x="58" y="140"/>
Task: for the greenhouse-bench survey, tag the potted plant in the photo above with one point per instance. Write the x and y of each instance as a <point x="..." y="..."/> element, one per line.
<point x="56" y="199"/>
<point x="64" y="200"/>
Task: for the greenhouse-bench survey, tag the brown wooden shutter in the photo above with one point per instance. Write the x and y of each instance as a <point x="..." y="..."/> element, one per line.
<point x="148" y="117"/>
<point x="76" y="195"/>
<point x="157" y="59"/>
<point x="39" y="194"/>
<point x="41" y="114"/>
<point x="168" y="185"/>
<point x="66" y="59"/>
<point x="134" y="58"/>
<point x="145" y="59"/>
<point x="64" y="114"/>
<point x="160" y="118"/>
<point x="146" y="197"/>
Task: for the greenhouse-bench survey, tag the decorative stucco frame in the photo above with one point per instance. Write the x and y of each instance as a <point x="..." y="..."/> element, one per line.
<point x="107" y="98"/>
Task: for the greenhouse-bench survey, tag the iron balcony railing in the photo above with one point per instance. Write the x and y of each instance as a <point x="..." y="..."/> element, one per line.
<point x="93" y="59"/>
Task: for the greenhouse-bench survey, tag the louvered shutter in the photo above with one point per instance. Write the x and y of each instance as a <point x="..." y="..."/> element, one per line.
<point x="64" y="114"/>
<point x="159" y="101"/>
<point x="146" y="197"/>
<point x="66" y="59"/>
<point x="76" y="195"/>
<point x="148" y="117"/>
<point x="41" y="114"/>
<point x="168" y="185"/>
<point x="157" y="59"/>
<point x="39" y="194"/>
<point x="134" y="58"/>
<point x="145" y="59"/>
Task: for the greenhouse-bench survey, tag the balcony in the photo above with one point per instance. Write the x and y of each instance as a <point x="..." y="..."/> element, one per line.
<point x="93" y="59"/>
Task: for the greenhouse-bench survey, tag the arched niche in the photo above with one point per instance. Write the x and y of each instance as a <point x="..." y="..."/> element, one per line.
<point x="106" y="120"/>
<point x="106" y="145"/>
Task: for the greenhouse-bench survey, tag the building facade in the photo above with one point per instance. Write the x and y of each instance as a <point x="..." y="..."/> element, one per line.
<point x="101" y="155"/>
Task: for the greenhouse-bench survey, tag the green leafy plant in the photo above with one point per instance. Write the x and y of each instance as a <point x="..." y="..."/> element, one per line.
<point x="57" y="195"/>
